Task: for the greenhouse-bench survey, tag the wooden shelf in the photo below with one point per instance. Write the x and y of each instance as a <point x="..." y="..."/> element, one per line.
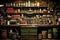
<point x="27" y="7"/>
<point x="49" y="39"/>
<point x="31" y="25"/>
<point x="32" y="13"/>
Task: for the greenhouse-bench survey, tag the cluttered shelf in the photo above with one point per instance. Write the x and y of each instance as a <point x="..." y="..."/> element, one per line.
<point x="49" y="39"/>
<point x="30" y="20"/>
<point x="42" y="39"/>
<point x="30" y="25"/>
<point x="38" y="13"/>
<point x="27" y="7"/>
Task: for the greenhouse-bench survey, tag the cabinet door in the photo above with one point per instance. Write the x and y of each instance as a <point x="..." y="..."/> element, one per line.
<point x="24" y="31"/>
<point x="28" y="31"/>
<point x="32" y="31"/>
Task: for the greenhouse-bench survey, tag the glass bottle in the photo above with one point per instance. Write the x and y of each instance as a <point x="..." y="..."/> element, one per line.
<point x="18" y="10"/>
<point x="40" y="10"/>
<point x="29" y="3"/>
<point x="55" y="32"/>
<point x="14" y="4"/>
<point x="49" y="33"/>
<point x="40" y="36"/>
<point x="11" y="4"/>
<point x="19" y="4"/>
<point x="35" y="3"/>
<point x="38" y="4"/>
<point x="26" y="4"/>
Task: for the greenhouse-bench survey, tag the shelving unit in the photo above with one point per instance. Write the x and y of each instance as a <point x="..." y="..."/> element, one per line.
<point x="30" y="20"/>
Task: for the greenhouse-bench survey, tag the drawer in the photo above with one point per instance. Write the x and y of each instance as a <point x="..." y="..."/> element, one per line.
<point x="29" y="37"/>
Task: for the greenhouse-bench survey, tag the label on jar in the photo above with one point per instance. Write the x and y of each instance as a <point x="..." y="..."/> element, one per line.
<point x="49" y="35"/>
<point x="44" y="33"/>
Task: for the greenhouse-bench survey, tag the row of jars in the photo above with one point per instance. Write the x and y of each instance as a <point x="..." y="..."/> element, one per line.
<point x="50" y="33"/>
<point x="27" y="4"/>
<point x="42" y="20"/>
<point x="11" y="10"/>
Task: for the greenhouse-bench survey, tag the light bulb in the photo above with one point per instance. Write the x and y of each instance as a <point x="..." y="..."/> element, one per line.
<point x="1" y="5"/>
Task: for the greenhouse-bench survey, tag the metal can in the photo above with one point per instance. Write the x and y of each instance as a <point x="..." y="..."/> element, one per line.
<point x="44" y="33"/>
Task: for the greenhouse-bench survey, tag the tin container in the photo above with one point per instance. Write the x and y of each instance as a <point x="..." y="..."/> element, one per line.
<point x="50" y="35"/>
<point x="44" y="33"/>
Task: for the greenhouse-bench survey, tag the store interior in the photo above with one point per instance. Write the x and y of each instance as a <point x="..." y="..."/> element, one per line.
<point x="29" y="19"/>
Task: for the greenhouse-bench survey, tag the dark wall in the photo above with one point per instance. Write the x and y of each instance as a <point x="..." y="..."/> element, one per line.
<point x="4" y="1"/>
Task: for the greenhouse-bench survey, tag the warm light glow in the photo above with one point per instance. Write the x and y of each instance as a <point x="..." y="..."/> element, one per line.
<point x="1" y="5"/>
